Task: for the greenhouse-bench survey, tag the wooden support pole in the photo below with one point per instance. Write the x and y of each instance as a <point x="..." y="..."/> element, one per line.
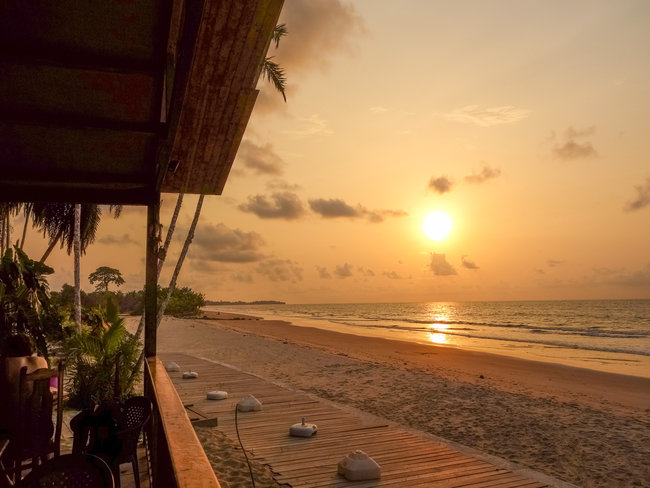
<point x="151" y="278"/>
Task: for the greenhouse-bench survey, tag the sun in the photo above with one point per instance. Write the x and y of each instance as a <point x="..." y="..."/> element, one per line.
<point x="437" y="225"/>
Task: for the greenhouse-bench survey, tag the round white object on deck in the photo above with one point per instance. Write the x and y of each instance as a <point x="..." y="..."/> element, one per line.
<point x="217" y="395"/>
<point x="190" y="375"/>
<point x="358" y="466"/>
<point x="172" y="367"/>
<point x="249" y="403"/>
<point x="303" y="429"/>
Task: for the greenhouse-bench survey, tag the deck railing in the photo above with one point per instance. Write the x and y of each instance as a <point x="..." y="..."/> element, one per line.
<point x="177" y="457"/>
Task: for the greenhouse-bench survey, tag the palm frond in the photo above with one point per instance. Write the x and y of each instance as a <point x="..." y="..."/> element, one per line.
<point x="275" y="74"/>
<point x="278" y="33"/>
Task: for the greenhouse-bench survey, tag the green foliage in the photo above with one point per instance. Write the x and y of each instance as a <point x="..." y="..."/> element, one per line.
<point x="183" y="303"/>
<point x="26" y="305"/>
<point x="104" y="276"/>
<point x="95" y="355"/>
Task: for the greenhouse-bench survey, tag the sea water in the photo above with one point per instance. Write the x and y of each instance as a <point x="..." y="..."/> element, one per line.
<point x="606" y="335"/>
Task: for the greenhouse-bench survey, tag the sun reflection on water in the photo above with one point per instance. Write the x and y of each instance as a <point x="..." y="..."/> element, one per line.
<point x="437" y="333"/>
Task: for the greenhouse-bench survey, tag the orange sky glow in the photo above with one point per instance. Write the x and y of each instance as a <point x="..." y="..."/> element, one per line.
<point x="525" y="121"/>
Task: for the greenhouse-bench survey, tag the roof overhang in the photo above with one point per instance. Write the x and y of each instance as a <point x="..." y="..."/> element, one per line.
<point x="97" y="98"/>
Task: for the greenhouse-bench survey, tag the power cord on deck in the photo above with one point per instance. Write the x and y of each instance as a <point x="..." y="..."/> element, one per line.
<point x="250" y="469"/>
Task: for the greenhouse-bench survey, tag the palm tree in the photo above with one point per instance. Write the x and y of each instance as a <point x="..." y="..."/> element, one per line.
<point x="74" y="226"/>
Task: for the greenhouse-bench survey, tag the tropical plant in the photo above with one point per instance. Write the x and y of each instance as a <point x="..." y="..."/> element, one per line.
<point x="24" y="294"/>
<point x="100" y="362"/>
<point x="183" y="302"/>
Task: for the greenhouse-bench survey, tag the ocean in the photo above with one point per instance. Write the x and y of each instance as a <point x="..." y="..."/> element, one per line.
<point x="605" y="335"/>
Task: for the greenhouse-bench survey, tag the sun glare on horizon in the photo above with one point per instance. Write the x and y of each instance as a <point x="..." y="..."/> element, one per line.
<point x="437" y="225"/>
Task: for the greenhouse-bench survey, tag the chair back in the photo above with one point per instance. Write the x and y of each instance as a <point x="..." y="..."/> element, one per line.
<point x="36" y="434"/>
<point x="136" y="414"/>
<point x="70" y="471"/>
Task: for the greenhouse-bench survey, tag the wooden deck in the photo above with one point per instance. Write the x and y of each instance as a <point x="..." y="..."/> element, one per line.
<point x="406" y="458"/>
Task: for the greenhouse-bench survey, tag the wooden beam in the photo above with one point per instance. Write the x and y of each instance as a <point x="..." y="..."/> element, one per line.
<point x="151" y="279"/>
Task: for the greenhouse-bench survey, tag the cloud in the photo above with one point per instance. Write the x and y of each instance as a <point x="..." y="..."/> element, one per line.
<point x="323" y="273"/>
<point x="466" y="263"/>
<point x="284" y="205"/>
<point x="336" y="208"/>
<point x="278" y="184"/>
<point x="440" y="185"/>
<point x="344" y="271"/>
<point x="440" y="266"/>
<point x="642" y="198"/>
<point x="309" y="126"/>
<point x="280" y="270"/>
<point x="261" y="159"/>
<point x="639" y="278"/>
<point x="482" y="176"/>
<point x="220" y="243"/>
<point x="318" y="30"/>
<point x="125" y="239"/>
<point x="552" y="263"/>
<point x="378" y="110"/>
<point x="506" y="114"/>
<point x="366" y="272"/>
<point x="242" y="277"/>
<point x="572" y="149"/>
<point x="392" y="275"/>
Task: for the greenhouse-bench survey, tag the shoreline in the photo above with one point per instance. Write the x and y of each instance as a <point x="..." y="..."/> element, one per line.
<point x="581" y="426"/>
<point x="507" y="373"/>
<point x="621" y="363"/>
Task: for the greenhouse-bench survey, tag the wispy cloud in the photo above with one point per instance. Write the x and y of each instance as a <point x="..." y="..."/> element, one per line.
<point x="284" y="205"/>
<point x="220" y="243"/>
<point x="336" y="208"/>
<point x="261" y="159"/>
<point x="466" y="263"/>
<point x="280" y="270"/>
<point x="642" y="197"/>
<point x="440" y="184"/>
<point x="485" y="117"/>
<point x="378" y="109"/>
<point x="123" y="240"/>
<point x="572" y="148"/>
<point x="486" y="173"/>
<point x="553" y="263"/>
<point x="309" y="126"/>
<point x="440" y="266"/>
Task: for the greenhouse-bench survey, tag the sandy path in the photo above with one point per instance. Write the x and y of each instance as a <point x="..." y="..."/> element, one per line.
<point x="585" y="427"/>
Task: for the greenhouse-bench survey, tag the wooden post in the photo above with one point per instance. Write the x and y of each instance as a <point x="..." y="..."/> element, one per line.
<point x="151" y="278"/>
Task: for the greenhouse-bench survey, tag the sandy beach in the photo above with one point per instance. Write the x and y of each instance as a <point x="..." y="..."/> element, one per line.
<point x="588" y="428"/>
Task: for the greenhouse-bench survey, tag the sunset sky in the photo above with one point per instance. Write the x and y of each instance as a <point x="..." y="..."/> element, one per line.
<point x="526" y="121"/>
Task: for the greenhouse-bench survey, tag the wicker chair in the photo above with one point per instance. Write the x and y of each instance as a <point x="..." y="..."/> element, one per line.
<point x="70" y="471"/>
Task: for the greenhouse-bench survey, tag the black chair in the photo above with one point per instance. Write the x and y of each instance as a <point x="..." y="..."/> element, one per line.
<point x="113" y="432"/>
<point x="70" y="471"/>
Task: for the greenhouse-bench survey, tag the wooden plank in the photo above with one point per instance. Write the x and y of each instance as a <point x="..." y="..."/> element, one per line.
<point x="406" y="459"/>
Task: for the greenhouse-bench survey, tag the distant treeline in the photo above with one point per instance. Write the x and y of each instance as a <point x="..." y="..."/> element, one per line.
<point x="183" y="302"/>
<point x="256" y="302"/>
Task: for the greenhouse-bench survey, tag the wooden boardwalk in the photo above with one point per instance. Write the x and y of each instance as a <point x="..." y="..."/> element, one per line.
<point x="406" y="459"/>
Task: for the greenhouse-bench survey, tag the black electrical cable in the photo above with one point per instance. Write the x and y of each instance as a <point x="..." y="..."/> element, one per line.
<point x="250" y="469"/>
